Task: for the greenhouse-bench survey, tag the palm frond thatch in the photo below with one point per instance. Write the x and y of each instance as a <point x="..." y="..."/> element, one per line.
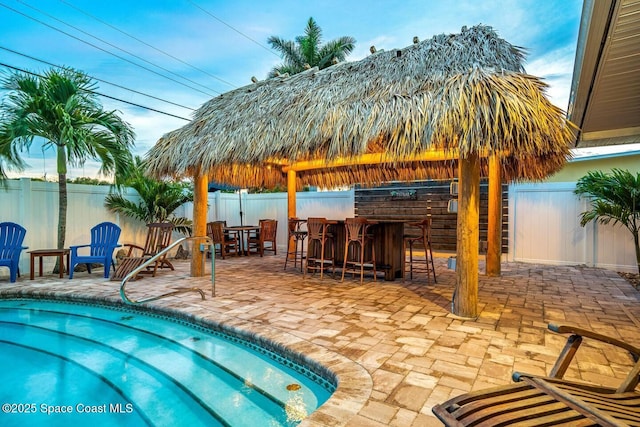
<point x="464" y="93"/>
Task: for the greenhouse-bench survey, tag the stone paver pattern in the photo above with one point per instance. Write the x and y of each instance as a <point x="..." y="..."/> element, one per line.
<point x="395" y="346"/>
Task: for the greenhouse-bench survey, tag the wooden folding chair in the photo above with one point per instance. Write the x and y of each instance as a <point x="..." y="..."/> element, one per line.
<point x="158" y="238"/>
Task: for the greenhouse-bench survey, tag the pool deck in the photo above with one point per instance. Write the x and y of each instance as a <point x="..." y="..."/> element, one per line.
<point x="395" y="347"/>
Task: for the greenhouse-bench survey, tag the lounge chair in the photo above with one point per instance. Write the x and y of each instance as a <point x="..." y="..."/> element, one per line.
<point x="104" y="240"/>
<point x="158" y="238"/>
<point x="552" y="400"/>
<point x="11" y="238"/>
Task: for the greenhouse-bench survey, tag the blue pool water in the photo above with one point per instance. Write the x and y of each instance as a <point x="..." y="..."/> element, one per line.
<point x="76" y="364"/>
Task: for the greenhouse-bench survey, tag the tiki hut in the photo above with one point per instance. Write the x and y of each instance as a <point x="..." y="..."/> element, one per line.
<point x="454" y="105"/>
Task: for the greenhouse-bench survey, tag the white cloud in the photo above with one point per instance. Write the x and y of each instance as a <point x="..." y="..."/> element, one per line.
<point x="556" y="68"/>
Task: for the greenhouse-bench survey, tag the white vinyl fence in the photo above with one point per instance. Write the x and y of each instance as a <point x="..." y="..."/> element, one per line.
<point x="34" y="205"/>
<point x="544" y="224"/>
<point x="544" y="227"/>
<point x="227" y="207"/>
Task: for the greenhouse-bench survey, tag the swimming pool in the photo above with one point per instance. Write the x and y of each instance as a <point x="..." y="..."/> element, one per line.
<point x="73" y="363"/>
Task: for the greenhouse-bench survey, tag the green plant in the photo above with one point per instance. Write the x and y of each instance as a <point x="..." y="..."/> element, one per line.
<point x="614" y="197"/>
<point x="307" y="50"/>
<point x="62" y="109"/>
<point x="88" y="181"/>
<point x="158" y="199"/>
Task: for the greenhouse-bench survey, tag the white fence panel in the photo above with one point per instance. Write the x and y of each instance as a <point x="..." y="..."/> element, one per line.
<point x="34" y="205"/>
<point x="326" y="204"/>
<point x="614" y="248"/>
<point x="12" y="201"/>
<point x="544" y="224"/>
<point x="544" y="227"/>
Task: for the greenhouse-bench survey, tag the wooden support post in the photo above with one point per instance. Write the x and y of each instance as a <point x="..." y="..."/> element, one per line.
<point x="465" y="297"/>
<point x="494" y="229"/>
<point x="291" y="193"/>
<point x="291" y="205"/>
<point x="200" y="196"/>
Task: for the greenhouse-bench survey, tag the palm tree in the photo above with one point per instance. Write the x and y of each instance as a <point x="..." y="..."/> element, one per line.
<point x="158" y="199"/>
<point x="614" y="197"/>
<point x="306" y="50"/>
<point x="61" y="108"/>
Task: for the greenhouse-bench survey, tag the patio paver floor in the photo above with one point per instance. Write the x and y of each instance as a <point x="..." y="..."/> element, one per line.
<point x="395" y="346"/>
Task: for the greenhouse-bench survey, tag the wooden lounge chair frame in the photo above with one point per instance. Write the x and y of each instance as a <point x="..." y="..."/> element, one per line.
<point x="552" y="400"/>
<point x="158" y="238"/>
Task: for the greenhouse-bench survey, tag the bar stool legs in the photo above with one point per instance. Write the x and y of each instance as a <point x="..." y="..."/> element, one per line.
<point x="320" y="238"/>
<point x="425" y="241"/>
<point x="295" y="241"/>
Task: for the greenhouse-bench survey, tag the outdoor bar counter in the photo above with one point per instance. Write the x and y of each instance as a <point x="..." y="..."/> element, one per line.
<point x="388" y="243"/>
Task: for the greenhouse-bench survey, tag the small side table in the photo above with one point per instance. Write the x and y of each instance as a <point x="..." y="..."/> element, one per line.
<point x="40" y="253"/>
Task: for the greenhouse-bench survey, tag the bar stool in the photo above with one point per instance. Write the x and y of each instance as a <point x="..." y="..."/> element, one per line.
<point x="425" y="240"/>
<point x="319" y="239"/>
<point x="356" y="242"/>
<point x="296" y="239"/>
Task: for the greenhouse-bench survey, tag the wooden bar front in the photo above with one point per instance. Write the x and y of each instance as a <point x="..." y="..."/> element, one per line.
<point x="388" y="244"/>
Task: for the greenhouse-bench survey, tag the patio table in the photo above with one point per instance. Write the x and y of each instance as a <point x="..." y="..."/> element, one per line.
<point x="40" y="253"/>
<point x="243" y="234"/>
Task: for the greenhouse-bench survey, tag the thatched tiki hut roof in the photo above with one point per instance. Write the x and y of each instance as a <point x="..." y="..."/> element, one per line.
<point x="434" y="109"/>
<point x="459" y="93"/>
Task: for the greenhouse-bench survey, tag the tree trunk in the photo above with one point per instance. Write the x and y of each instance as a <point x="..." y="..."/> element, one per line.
<point x="636" y="240"/>
<point x="62" y="209"/>
<point x="62" y="200"/>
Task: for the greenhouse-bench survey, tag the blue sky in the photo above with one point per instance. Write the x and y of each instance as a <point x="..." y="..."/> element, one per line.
<point x="220" y="45"/>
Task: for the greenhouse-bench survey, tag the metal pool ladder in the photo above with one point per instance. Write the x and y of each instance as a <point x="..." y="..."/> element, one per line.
<point x="203" y="246"/>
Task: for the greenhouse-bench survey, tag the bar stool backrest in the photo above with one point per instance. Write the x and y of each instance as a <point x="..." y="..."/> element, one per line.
<point x="215" y="230"/>
<point x="268" y="230"/>
<point x="425" y="226"/>
<point x="294" y="225"/>
<point x="316" y="228"/>
<point x="356" y="228"/>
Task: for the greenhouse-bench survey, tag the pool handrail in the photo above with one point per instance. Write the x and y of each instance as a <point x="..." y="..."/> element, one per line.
<point x="151" y="260"/>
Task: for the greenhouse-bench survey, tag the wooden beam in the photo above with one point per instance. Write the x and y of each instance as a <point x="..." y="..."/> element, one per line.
<point x="494" y="227"/>
<point x="465" y="297"/>
<point x="200" y="195"/>
<point x="368" y="159"/>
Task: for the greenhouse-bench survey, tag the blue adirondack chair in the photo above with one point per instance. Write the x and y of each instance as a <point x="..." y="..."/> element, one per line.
<point x="104" y="240"/>
<point x="11" y="238"/>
